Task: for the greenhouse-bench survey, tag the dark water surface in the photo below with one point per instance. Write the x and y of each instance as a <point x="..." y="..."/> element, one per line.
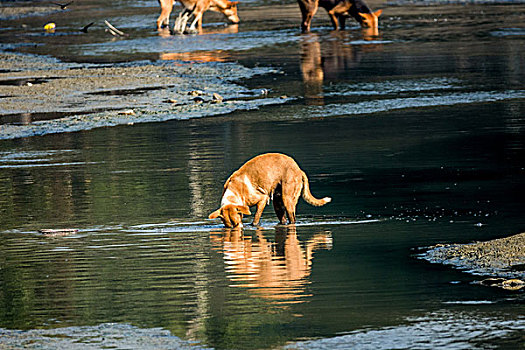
<point x="417" y="134"/>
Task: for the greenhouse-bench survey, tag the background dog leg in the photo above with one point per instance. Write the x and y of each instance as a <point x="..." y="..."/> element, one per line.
<point x="182" y="20"/>
<point x="165" y="11"/>
<point x="176" y="27"/>
<point x="193" y="27"/>
<point x="334" y="19"/>
<point x="308" y="10"/>
<point x="342" y="22"/>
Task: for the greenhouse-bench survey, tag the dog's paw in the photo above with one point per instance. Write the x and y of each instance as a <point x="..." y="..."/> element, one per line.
<point x="192" y="31"/>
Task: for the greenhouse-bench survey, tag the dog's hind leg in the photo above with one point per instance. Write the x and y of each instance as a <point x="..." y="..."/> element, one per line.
<point x="290" y="211"/>
<point x="278" y="206"/>
<point x="291" y="193"/>
<point x="337" y="14"/>
<point x="165" y="11"/>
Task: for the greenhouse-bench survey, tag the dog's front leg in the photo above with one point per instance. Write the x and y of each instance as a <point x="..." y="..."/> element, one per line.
<point x="185" y="20"/>
<point x="165" y="9"/>
<point x="177" y="26"/>
<point x="308" y="10"/>
<point x="260" y="207"/>
<point x="196" y="25"/>
<point x="333" y="18"/>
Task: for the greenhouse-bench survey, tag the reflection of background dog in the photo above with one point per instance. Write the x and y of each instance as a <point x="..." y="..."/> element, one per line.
<point x="197" y="9"/>
<point x="276" y="271"/>
<point x="331" y="59"/>
<point x="268" y="176"/>
<point x="339" y="11"/>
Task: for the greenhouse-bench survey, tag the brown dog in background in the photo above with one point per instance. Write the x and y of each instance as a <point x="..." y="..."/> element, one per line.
<point x="339" y="11"/>
<point x="197" y="8"/>
<point x="268" y="176"/>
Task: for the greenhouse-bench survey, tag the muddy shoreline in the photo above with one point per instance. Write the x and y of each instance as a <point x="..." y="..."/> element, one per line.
<point x="41" y="95"/>
<point x="502" y="258"/>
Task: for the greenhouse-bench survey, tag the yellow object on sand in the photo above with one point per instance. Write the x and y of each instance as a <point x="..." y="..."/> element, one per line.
<point x="50" y="27"/>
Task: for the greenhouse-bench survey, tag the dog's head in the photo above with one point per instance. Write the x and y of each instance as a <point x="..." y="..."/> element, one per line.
<point x="230" y="11"/>
<point x="370" y="20"/>
<point x="231" y="214"/>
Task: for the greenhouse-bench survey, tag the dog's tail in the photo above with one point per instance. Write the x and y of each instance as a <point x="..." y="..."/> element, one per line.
<point x="307" y="195"/>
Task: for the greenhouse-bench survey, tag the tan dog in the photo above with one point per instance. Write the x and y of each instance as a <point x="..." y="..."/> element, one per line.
<point x="197" y="9"/>
<point x="268" y="176"/>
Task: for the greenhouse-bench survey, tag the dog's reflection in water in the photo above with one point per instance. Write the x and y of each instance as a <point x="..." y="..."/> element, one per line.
<point x="329" y="60"/>
<point x="278" y="270"/>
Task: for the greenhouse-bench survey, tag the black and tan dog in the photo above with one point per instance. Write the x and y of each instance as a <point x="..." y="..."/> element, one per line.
<point x="339" y="11"/>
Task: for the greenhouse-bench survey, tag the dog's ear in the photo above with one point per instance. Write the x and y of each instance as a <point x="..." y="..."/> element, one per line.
<point x="378" y="13"/>
<point x="233" y="3"/>
<point x="364" y="16"/>
<point x="216" y="214"/>
<point x="244" y="209"/>
<point x="369" y="19"/>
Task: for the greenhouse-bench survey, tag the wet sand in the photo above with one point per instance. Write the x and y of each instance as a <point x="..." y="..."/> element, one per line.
<point x="41" y="95"/>
<point x="19" y="10"/>
<point x="503" y="257"/>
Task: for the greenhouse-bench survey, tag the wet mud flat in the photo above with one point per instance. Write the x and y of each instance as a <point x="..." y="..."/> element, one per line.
<point x="109" y="335"/>
<point x="499" y="258"/>
<point x="20" y="10"/>
<point x="41" y="95"/>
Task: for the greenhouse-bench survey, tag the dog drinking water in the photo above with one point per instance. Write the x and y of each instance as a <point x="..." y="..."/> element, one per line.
<point x="268" y="176"/>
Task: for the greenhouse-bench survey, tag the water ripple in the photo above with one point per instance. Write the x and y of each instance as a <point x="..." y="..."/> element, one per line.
<point x="384" y="105"/>
<point x="392" y="87"/>
<point x="31" y="159"/>
<point x="207" y="42"/>
<point x="442" y="329"/>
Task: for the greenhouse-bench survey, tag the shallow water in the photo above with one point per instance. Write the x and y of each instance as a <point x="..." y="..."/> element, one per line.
<point x="417" y="135"/>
